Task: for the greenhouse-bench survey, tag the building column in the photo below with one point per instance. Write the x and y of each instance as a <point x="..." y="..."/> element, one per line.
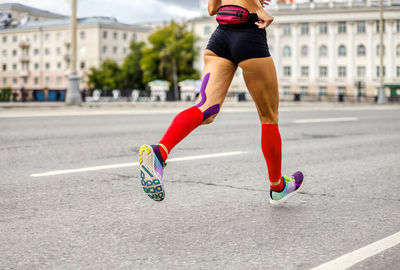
<point x="313" y="53"/>
<point x="332" y="53"/>
<point x="389" y="52"/>
<point x="295" y="54"/>
<point x="351" y="52"/>
<point x="370" y="51"/>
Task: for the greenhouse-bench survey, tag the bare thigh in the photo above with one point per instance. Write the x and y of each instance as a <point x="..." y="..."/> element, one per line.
<point x="221" y="74"/>
<point x="260" y="78"/>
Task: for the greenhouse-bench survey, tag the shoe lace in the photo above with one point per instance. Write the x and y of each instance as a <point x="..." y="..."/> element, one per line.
<point x="288" y="179"/>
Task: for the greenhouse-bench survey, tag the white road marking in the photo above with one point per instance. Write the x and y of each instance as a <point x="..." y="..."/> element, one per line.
<point x="325" y="120"/>
<point x="122" y="165"/>
<point x="361" y="254"/>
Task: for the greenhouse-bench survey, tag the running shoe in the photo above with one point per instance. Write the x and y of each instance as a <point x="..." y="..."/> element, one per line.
<point x="292" y="185"/>
<point x="151" y="171"/>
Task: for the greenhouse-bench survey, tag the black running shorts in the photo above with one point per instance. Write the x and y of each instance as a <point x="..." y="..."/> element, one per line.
<point x="239" y="43"/>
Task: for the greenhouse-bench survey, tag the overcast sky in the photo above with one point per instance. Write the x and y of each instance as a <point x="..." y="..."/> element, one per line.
<point x="128" y="11"/>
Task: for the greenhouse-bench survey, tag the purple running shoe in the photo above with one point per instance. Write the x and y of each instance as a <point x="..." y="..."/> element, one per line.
<point x="293" y="184"/>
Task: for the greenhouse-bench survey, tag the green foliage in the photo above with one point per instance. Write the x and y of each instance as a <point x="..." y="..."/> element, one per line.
<point x="132" y="74"/>
<point x="170" y="45"/>
<point x="5" y="93"/>
<point x="171" y="51"/>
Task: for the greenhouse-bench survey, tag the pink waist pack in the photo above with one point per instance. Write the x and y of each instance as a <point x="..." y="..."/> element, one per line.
<point x="231" y="14"/>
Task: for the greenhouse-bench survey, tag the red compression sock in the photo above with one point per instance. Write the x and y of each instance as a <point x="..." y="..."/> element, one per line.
<point x="184" y="123"/>
<point x="271" y="145"/>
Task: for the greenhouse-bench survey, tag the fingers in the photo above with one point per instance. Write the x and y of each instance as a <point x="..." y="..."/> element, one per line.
<point x="262" y="24"/>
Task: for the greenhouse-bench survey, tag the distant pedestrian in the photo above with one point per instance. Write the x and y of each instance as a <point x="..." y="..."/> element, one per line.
<point x="239" y="40"/>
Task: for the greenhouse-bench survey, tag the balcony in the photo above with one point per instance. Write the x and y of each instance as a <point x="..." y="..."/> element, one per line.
<point x="24" y="43"/>
<point x="24" y="58"/>
<point x="24" y="73"/>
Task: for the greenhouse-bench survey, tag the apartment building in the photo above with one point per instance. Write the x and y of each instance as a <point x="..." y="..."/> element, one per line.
<point x="326" y="47"/>
<point x="36" y="54"/>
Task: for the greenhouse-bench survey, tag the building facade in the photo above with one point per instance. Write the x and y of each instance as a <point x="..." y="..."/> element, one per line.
<point x="36" y="54"/>
<point x="326" y="48"/>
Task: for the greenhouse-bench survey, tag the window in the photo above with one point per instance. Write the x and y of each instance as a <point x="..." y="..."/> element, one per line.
<point x="378" y="50"/>
<point x="287" y="52"/>
<point x="304" y="50"/>
<point x="124" y="36"/>
<point x="83" y="35"/>
<point x="342" y="50"/>
<point x="341" y="90"/>
<point x="361" y="27"/>
<point x="36" y="51"/>
<point x="4" y="67"/>
<point x="398" y="50"/>
<point x="286" y="90"/>
<point x="304" y="29"/>
<point x="47" y="80"/>
<point x="14" y="80"/>
<point x="377" y="26"/>
<point x="124" y="50"/>
<point x="47" y="36"/>
<point x="398" y="71"/>
<point x="58" y="36"/>
<point x="14" y="66"/>
<point x="36" y="66"/>
<point x="4" y="81"/>
<point x="286" y="29"/>
<point x="378" y="74"/>
<point x="361" y="71"/>
<point x="35" y="37"/>
<point x="115" y="49"/>
<point x="47" y="65"/>
<point x="134" y="36"/>
<point x="322" y="91"/>
<point x="4" y="39"/>
<point x="14" y="39"/>
<point x="323" y="28"/>
<point x="115" y="35"/>
<point x="105" y="34"/>
<point x="342" y="27"/>
<point x="58" y="65"/>
<point x="323" y="51"/>
<point x="104" y="49"/>
<point x="14" y="52"/>
<point x="4" y="53"/>
<point x="287" y="71"/>
<point x="207" y="30"/>
<point x="341" y="71"/>
<point x="25" y="79"/>
<point x="323" y="71"/>
<point x="59" y="80"/>
<point x="304" y="71"/>
<point x="47" y="51"/>
<point x="58" y="50"/>
<point x="361" y="50"/>
<point x="398" y="26"/>
<point x="304" y="90"/>
<point x="82" y="65"/>
<point x="36" y="80"/>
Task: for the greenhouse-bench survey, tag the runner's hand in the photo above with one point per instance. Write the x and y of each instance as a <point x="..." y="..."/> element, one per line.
<point x="265" y="19"/>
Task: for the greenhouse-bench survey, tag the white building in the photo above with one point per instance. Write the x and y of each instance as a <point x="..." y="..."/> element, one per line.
<point x="35" y="54"/>
<point x="325" y="48"/>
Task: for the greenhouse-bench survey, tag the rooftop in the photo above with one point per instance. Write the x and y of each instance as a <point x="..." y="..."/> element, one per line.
<point x="31" y="10"/>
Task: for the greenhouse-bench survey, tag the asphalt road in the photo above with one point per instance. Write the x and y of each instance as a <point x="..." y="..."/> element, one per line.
<point x="216" y="214"/>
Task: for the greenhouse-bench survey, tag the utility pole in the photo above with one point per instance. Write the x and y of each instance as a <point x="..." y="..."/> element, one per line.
<point x="381" y="93"/>
<point x="73" y="96"/>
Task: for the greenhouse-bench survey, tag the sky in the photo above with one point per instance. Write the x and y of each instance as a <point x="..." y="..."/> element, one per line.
<point x="127" y="11"/>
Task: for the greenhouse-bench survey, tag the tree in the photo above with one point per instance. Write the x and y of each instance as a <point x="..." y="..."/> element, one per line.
<point x="170" y="56"/>
<point x="132" y="74"/>
<point x="108" y="76"/>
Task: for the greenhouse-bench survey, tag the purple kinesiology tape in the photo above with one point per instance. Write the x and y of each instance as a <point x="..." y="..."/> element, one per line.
<point x="213" y="109"/>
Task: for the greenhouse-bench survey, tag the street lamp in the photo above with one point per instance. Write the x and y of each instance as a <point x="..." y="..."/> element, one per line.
<point x="381" y="92"/>
<point x="73" y="96"/>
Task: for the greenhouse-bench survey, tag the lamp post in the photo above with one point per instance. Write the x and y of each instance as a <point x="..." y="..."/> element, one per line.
<point x="381" y="92"/>
<point x="73" y="96"/>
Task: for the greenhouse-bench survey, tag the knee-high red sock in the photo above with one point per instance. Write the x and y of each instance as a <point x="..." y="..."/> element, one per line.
<point x="184" y="123"/>
<point x="271" y="145"/>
